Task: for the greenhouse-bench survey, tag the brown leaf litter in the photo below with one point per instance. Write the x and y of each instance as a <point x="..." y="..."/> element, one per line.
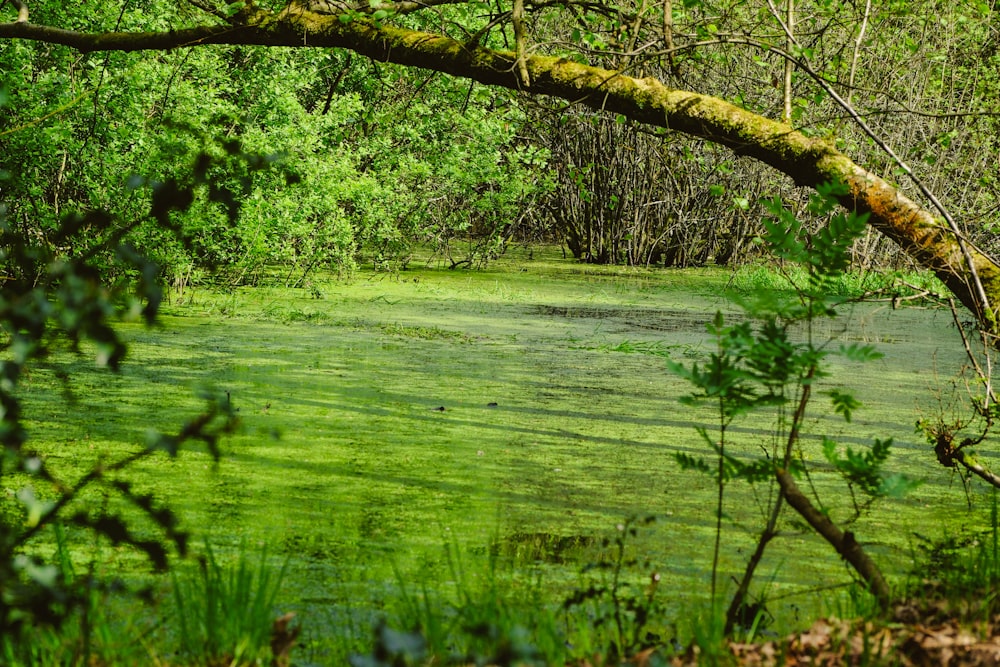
<point x="948" y="642"/>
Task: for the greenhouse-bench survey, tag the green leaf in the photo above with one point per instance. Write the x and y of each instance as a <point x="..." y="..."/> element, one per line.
<point x="844" y="403"/>
<point x="897" y="485"/>
<point x="688" y="462"/>
<point x="757" y="471"/>
<point x="35" y="509"/>
<point x="830" y="450"/>
<point x="46" y="576"/>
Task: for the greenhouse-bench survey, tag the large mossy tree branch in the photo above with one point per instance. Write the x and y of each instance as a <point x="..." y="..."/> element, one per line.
<point x="808" y="161"/>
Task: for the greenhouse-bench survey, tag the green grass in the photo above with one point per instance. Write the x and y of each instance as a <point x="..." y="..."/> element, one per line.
<point x="871" y="284"/>
<point x="225" y="613"/>
<point x="560" y="420"/>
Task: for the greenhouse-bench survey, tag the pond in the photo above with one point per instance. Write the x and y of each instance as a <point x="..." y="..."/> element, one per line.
<point x="438" y="428"/>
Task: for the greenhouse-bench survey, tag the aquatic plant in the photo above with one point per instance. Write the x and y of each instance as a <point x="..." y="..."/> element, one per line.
<point x="225" y="614"/>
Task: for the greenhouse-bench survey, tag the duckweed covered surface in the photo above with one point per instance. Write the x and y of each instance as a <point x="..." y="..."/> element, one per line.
<point x="401" y="423"/>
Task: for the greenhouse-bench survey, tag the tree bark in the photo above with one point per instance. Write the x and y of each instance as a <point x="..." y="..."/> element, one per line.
<point x="842" y="541"/>
<point x="808" y="161"/>
<point x="520" y="39"/>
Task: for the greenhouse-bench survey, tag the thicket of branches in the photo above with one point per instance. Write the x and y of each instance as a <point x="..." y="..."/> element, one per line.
<point x="922" y="75"/>
<point x="387" y="158"/>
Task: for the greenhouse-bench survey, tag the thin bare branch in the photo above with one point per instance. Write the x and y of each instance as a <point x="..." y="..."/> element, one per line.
<point x="984" y="376"/>
<point x="517" y="18"/>
<point x="208" y="9"/>
<point x="859" y="40"/>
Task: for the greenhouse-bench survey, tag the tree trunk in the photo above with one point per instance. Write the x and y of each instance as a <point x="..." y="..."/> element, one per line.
<point x="843" y="541"/>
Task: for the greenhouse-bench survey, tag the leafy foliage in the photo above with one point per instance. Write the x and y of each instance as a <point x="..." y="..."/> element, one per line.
<point x="766" y="364"/>
<point x="54" y="295"/>
<point x="379" y="162"/>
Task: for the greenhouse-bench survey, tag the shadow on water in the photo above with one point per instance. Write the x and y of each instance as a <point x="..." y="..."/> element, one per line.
<point x="652" y="319"/>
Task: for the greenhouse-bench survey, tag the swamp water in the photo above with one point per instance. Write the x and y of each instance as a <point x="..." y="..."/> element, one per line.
<point x="421" y="426"/>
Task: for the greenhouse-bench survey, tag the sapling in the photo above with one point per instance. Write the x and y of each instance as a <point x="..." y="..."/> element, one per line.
<point x="772" y="363"/>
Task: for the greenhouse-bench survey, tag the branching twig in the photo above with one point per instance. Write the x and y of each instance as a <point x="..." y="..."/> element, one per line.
<point x="983" y="375"/>
<point x="22" y="11"/>
<point x="209" y="9"/>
